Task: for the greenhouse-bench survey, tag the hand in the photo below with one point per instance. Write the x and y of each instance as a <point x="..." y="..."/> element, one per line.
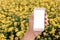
<point x="31" y="34"/>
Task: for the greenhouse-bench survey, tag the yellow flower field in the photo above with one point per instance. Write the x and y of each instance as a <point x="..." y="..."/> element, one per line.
<point x="14" y="18"/>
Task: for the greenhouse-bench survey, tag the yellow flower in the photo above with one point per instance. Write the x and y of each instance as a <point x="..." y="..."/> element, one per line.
<point x="11" y="37"/>
<point x="2" y="36"/>
<point x="8" y="22"/>
<point x="5" y="30"/>
<point x="22" y="26"/>
<point x="52" y="9"/>
<point x="16" y="29"/>
<point x="38" y="36"/>
<point x="10" y="29"/>
<point x="59" y="33"/>
<point x="49" y="38"/>
<point x="24" y="2"/>
<point x="26" y="8"/>
<point x="8" y="18"/>
<point x="45" y="38"/>
<point x="58" y="25"/>
<point x="16" y="8"/>
<point x="19" y="34"/>
<point x="42" y="4"/>
<point x="16" y="38"/>
<point x="4" y="26"/>
<point x="53" y="31"/>
<point x="53" y="23"/>
<point x="11" y="0"/>
<point x="48" y="7"/>
<point x="13" y="19"/>
<point x="3" y="21"/>
<point x="21" y="8"/>
<point x="57" y="36"/>
<point x="44" y="33"/>
<point x="15" y="24"/>
<point x="3" y="39"/>
<point x="26" y="24"/>
<point x="55" y="19"/>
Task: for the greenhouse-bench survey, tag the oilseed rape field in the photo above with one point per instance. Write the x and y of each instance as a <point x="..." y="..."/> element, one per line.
<point x="14" y="18"/>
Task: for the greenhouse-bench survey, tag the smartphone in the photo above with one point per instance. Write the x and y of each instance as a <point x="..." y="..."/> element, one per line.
<point x="38" y="24"/>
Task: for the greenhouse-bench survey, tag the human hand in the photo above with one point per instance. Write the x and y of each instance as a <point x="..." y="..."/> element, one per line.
<point x="31" y="21"/>
<point x="31" y="34"/>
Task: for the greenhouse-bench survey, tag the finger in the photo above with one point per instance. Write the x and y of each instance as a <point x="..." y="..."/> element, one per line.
<point x="46" y="20"/>
<point x="36" y="33"/>
<point x="31" y="17"/>
<point x="31" y="21"/>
